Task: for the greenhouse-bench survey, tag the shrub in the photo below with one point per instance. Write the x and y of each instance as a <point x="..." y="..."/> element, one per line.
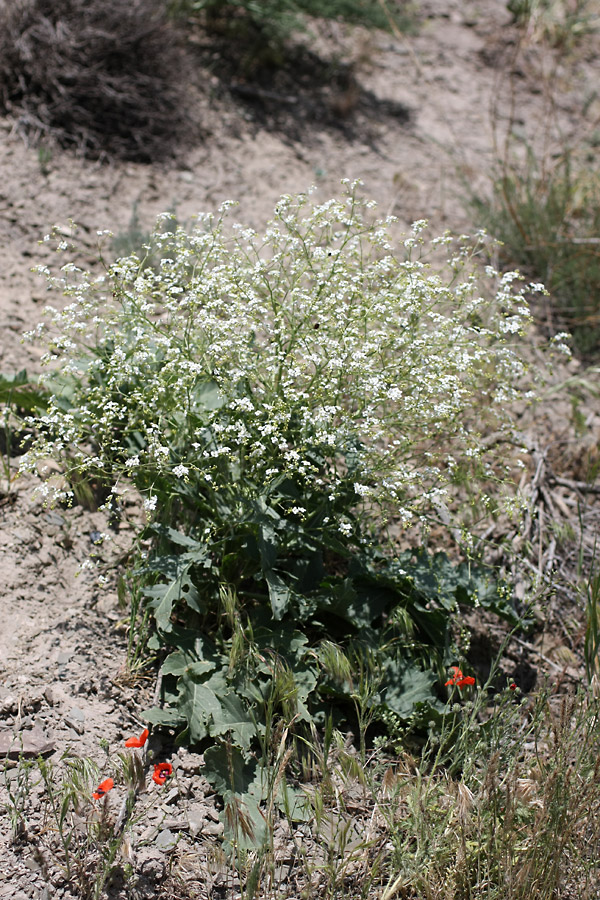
<point x="277" y="399"/>
<point x="97" y="75"/>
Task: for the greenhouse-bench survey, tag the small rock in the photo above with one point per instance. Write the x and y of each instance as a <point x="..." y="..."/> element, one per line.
<point x="152" y="866"/>
<point x="75" y="719"/>
<point x="171" y="796"/>
<point x="197" y="817"/>
<point x="166" y="840"/>
<point x="9" y="704"/>
<point x="192" y="762"/>
<point x="176" y="824"/>
<point x="31" y="864"/>
<point x="28" y="744"/>
<point x="50" y="696"/>
<point x="64" y="656"/>
<point x="148" y="834"/>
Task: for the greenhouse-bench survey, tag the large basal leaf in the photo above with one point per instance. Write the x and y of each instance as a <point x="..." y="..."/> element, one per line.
<point x="198" y="704"/>
<point x="268" y="545"/>
<point x="207" y="395"/>
<point x="233" y="719"/>
<point x="244" y="822"/>
<point x="406" y="687"/>
<point x="228" y="770"/>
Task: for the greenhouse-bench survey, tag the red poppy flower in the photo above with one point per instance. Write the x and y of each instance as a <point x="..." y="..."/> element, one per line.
<point x="512" y="686"/>
<point x="161" y="772"/>
<point x="138" y="741"/>
<point x="459" y="679"/>
<point x="103" y="788"/>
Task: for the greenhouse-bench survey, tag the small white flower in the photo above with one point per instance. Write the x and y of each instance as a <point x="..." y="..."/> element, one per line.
<point x="298" y="510"/>
<point x="132" y="462"/>
<point x="345" y="528"/>
<point x="180" y="471"/>
<point x="150" y="503"/>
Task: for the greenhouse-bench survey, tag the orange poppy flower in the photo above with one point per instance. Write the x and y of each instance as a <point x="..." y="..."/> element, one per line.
<point x="161" y="772"/>
<point x="459" y="679"/>
<point x="138" y="741"/>
<point x="103" y="788"/>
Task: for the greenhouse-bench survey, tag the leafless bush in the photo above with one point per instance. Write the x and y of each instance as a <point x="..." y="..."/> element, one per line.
<point x="102" y="76"/>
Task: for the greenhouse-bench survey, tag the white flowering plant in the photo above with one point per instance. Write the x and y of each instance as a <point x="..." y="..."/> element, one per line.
<point x="276" y="397"/>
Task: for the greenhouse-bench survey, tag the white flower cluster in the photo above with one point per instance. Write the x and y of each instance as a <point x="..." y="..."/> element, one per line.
<point x="311" y="351"/>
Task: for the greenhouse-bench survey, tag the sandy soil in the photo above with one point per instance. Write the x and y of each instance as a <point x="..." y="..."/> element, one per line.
<point x="421" y="130"/>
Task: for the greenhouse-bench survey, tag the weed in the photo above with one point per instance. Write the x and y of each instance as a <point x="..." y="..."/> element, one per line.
<point x="561" y="23"/>
<point x="44" y="158"/>
<point x="78" y="826"/>
<point x="275" y="21"/>
<point x="548" y="221"/>
<point x="275" y="398"/>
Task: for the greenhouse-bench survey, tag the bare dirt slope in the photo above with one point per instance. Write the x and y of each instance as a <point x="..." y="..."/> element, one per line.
<point x="419" y="130"/>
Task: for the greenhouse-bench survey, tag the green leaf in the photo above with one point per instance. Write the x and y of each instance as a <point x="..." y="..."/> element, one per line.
<point x="17" y="391"/>
<point x="207" y="395"/>
<point x="279" y="594"/>
<point x="163" y="597"/>
<point x="228" y="770"/>
<point x="181" y="662"/>
<point x="234" y="720"/>
<point x="268" y="545"/>
<point x="405" y="687"/>
<point x="244" y="822"/>
<point x="166" y="716"/>
<point x="197" y="703"/>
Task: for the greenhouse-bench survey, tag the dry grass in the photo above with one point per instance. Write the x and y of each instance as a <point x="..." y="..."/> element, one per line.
<point x="98" y="75"/>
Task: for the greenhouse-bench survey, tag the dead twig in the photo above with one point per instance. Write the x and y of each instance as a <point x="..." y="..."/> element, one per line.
<point x="573" y="485"/>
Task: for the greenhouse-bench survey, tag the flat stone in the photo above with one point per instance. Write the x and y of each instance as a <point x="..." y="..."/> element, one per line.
<point x="75" y="719"/>
<point x="28" y="744"/>
<point x="166" y="840"/>
<point x="171" y="797"/>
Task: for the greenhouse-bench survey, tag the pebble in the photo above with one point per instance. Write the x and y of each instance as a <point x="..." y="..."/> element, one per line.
<point x="9" y="704"/>
<point x="75" y="719"/>
<point x="171" y="796"/>
<point x="166" y="840"/>
<point x="50" y="696"/>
